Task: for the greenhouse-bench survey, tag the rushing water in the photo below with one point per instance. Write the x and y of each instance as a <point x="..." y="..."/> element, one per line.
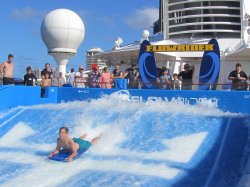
<point x="142" y="144"/>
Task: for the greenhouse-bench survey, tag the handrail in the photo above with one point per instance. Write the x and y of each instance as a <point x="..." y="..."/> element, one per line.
<point x="172" y="85"/>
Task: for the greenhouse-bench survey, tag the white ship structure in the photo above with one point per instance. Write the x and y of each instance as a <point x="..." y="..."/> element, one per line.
<point x="195" y="22"/>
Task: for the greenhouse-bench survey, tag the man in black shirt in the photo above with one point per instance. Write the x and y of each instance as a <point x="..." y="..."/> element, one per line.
<point x="117" y="73"/>
<point x="186" y="77"/>
<point x="238" y="79"/>
<point x="46" y="70"/>
<point x="132" y="74"/>
<point x="29" y="77"/>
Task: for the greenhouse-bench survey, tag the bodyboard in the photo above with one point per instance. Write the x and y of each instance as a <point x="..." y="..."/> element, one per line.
<point x="62" y="155"/>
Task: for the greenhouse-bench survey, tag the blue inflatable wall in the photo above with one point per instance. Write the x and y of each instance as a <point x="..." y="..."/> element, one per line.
<point x="232" y="101"/>
<point x="153" y="143"/>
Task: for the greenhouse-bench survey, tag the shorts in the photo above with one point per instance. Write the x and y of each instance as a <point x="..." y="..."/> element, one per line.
<point x="83" y="144"/>
<point x="7" y="81"/>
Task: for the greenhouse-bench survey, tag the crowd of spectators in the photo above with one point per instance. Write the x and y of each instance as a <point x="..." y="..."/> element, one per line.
<point x="97" y="78"/>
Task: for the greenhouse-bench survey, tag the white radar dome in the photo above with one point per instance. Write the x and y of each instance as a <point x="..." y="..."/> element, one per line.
<point x="145" y="34"/>
<point x="62" y="31"/>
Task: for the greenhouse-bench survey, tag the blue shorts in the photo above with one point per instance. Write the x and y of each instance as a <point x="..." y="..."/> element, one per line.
<point x="83" y="144"/>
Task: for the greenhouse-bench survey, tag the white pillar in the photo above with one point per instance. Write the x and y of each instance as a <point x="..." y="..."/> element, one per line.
<point x="62" y="60"/>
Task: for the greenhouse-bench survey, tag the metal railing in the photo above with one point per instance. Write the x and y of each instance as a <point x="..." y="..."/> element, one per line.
<point x="171" y="86"/>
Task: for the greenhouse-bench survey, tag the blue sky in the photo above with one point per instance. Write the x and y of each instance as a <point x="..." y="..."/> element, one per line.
<point x="104" y="22"/>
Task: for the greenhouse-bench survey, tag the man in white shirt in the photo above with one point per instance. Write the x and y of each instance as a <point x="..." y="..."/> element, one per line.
<point x="80" y="78"/>
<point x="71" y="77"/>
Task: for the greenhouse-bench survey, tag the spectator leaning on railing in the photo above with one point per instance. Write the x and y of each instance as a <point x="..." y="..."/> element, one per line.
<point x="176" y="83"/>
<point x="106" y="80"/>
<point x="132" y="74"/>
<point x="94" y="78"/>
<point x="165" y="80"/>
<point x="238" y="78"/>
<point x="80" y="78"/>
<point x="61" y="79"/>
<point x="186" y="77"/>
<point x="117" y="73"/>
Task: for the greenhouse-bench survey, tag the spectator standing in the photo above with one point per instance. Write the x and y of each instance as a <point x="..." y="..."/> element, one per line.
<point x="47" y="69"/>
<point x="186" y="77"/>
<point x="71" y="77"/>
<point x="176" y="83"/>
<point x="106" y="78"/>
<point x="94" y="78"/>
<point x="53" y="76"/>
<point x="132" y="74"/>
<point x="61" y="80"/>
<point x="117" y="73"/>
<point x="238" y="78"/>
<point x="165" y="80"/>
<point x="29" y="78"/>
<point x="7" y="70"/>
<point x="80" y="78"/>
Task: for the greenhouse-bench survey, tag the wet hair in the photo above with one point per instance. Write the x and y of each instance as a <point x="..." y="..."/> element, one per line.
<point x="10" y="56"/>
<point x="65" y="128"/>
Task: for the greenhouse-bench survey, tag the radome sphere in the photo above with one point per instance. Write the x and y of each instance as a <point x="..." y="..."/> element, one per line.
<point x="62" y="31"/>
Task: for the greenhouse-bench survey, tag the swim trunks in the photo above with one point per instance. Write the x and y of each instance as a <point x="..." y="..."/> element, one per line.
<point x="83" y="144"/>
<point x="7" y="80"/>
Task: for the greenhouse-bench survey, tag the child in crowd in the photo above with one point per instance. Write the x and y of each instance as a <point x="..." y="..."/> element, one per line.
<point x="29" y="78"/>
<point x="165" y="80"/>
<point x="46" y="81"/>
<point x="176" y="82"/>
<point x="71" y="145"/>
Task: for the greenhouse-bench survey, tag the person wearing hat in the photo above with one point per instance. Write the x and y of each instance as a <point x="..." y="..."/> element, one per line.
<point x="80" y="78"/>
<point x="94" y="77"/>
<point x="186" y="77"/>
<point x="29" y="78"/>
<point x="132" y="74"/>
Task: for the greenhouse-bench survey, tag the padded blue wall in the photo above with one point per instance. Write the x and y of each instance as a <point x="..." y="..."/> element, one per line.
<point x="12" y="96"/>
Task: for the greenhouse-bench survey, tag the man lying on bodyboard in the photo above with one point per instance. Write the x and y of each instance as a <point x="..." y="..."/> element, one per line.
<point x="68" y="149"/>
